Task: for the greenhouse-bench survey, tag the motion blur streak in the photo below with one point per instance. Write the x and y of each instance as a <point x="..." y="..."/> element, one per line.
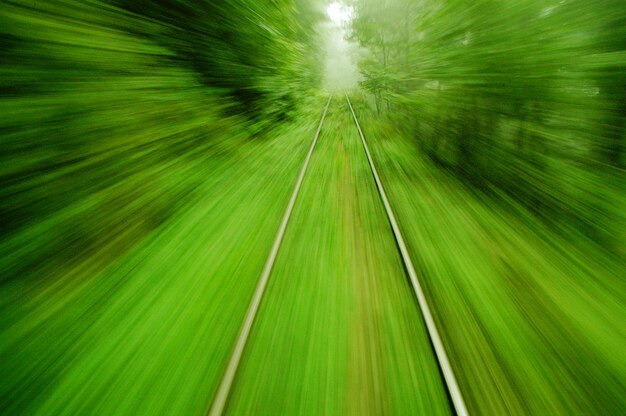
<point x="148" y="152"/>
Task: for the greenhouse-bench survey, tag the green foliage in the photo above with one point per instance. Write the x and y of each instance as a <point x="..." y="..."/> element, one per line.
<point x="526" y="97"/>
<point x="255" y="50"/>
<point x="97" y="98"/>
<point x="145" y="167"/>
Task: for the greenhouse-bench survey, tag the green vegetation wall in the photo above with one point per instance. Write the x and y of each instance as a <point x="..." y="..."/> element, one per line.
<point x="259" y="51"/>
<point x="524" y="97"/>
<point x="108" y="109"/>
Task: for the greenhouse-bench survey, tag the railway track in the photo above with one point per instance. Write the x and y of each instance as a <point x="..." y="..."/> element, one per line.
<point x="453" y="391"/>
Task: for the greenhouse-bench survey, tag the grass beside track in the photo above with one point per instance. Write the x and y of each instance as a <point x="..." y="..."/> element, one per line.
<point x="532" y="320"/>
<point x="150" y="332"/>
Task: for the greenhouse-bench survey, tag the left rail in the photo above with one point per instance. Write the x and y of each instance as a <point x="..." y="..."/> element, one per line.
<point x="228" y="378"/>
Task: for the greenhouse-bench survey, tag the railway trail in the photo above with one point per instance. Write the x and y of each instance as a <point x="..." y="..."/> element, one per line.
<point x="338" y="330"/>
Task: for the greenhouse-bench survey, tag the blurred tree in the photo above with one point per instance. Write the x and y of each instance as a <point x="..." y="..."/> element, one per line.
<point x="508" y="94"/>
<point x="262" y="53"/>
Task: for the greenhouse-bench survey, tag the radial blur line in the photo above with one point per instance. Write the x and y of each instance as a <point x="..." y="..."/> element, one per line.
<point x="442" y="357"/>
<point x="226" y="383"/>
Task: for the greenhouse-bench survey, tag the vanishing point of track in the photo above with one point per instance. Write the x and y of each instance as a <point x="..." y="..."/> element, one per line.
<point x="221" y="397"/>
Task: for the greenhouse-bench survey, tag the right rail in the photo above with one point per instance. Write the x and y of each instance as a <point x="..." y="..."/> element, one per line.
<point x="442" y="357"/>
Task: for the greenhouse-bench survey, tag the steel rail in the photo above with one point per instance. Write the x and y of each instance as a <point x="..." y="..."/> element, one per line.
<point x="442" y="357"/>
<point x="221" y="397"/>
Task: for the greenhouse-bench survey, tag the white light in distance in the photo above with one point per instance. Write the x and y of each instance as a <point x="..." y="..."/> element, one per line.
<point x="338" y="13"/>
